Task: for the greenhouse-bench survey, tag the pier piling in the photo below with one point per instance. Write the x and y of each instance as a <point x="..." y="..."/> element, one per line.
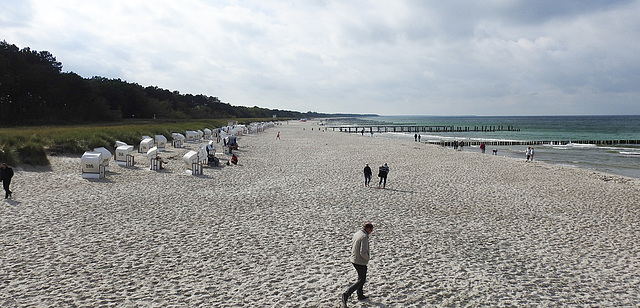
<point x="404" y="128"/>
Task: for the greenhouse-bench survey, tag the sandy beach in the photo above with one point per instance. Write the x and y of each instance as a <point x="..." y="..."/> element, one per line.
<point x="452" y="229"/>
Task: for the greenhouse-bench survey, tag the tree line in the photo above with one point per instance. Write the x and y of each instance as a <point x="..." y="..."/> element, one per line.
<point x="34" y="91"/>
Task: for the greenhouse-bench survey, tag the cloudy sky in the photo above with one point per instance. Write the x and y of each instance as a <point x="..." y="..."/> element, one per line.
<point x="389" y="57"/>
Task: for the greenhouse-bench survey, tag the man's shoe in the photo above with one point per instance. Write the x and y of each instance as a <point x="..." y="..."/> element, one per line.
<point x="362" y="297"/>
<point x="345" y="297"/>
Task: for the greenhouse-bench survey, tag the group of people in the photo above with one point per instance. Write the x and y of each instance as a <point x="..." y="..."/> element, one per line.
<point x="529" y="152"/>
<point x="6" y="173"/>
<point x="458" y="145"/>
<point x="361" y="132"/>
<point x="212" y="160"/>
<point x="360" y="255"/>
<point x="383" y="171"/>
<point x="483" y="147"/>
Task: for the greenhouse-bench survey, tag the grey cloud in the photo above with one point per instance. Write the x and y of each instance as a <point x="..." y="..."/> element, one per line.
<point x="15" y="13"/>
<point x="415" y="56"/>
<point x="536" y="12"/>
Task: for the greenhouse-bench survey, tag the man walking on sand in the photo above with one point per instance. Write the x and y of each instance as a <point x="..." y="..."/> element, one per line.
<point x="367" y="175"/>
<point x="6" y="173"/>
<point x="359" y="258"/>
<point x="383" y="171"/>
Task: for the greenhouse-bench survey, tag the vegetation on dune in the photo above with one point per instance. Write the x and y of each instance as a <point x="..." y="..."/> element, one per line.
<point x="62" y="108"/>
<point x="30" y="145"/>
<point x="35" y="91"/>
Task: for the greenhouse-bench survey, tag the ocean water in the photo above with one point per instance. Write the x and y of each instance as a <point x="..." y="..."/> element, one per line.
<point x="621" y="159"/>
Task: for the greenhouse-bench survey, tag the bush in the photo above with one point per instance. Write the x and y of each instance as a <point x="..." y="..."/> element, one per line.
<point x="7" y="156"/>
<point x="97" y="142"/>
<point x="32" y="154"/>
<point x="73" y="146"/>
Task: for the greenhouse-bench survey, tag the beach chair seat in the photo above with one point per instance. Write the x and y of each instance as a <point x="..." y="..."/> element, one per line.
<point x="213" y="161"/>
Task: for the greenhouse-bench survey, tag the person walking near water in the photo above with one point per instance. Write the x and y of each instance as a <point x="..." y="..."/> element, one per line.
<point x="383" y="171"/>
<point x="360" y="257"/>
<point x="528" y="153"/>
<point x="367" y="175"/>
<point x="278" y="136"/>
<point x="6" y="173"/>
<point x="532" y="151"/>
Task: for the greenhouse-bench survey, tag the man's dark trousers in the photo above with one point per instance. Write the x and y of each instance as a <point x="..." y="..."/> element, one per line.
<point x="362" y="277"/>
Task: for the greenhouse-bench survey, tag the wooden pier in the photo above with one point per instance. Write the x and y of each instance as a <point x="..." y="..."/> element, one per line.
<point x="408" y="128"/>
<point x="422" y="129"/>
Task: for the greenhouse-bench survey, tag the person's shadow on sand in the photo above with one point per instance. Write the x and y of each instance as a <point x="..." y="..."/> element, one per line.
<point x="398" y="190"/>
<point x="369" y="303"/>
<point x="12" y="202"/>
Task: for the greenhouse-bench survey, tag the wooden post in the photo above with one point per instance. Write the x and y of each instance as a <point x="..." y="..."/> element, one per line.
<point x="130" y="160"/>
<point x="196" y="169"/>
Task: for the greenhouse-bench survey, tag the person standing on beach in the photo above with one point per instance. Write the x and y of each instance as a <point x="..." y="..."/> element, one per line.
<point x="359" y="258"/>
<point x="532" y="154"/>
<point x="367" y="175"/>
<point x="415" y="137"/>
<point x="528" y="153"/>
<point x="383" y="171"/>
<point x="278" y="136"/>
<point x="6" y="173"/>
<point x="482" y="146"/>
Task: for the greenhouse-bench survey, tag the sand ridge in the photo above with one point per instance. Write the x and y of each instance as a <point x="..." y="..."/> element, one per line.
<point x="452" y="229"/>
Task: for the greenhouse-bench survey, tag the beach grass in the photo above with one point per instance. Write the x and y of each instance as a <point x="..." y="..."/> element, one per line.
<point x="30" y="145"/>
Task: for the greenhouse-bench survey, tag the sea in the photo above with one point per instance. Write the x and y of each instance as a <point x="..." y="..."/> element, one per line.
<point x="618" y="159"/>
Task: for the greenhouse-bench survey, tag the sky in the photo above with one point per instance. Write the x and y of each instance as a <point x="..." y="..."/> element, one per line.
<point x="400" y="57"/>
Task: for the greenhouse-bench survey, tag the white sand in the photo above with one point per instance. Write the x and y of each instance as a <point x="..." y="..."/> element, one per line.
<point x="452" y="229"/>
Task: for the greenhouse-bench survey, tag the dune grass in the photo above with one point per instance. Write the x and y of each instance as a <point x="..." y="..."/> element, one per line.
<point x="30" y="145"/>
